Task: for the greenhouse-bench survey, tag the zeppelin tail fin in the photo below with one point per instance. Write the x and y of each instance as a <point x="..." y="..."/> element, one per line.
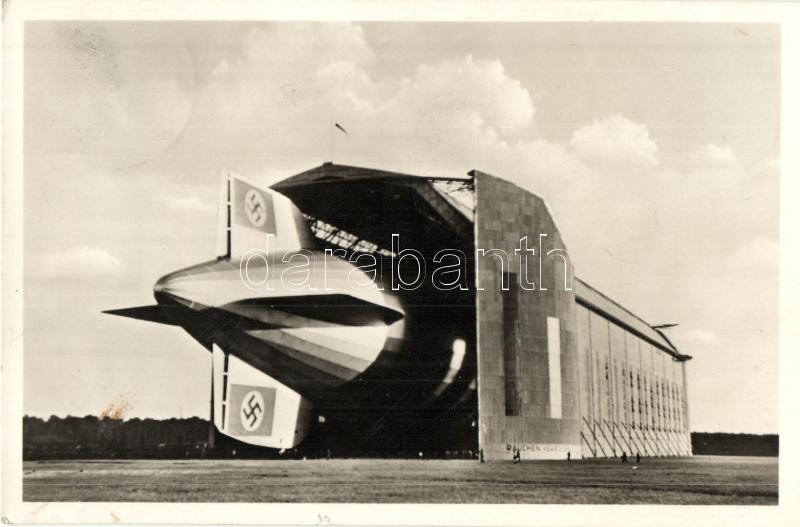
<point x="254" y="408"/>
<point x="252" y="217"/>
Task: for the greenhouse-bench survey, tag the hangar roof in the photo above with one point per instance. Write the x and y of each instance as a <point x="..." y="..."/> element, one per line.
<point x="415" y="207"/>
<point x="333" y="172"/>
<point x="596" y="301"/>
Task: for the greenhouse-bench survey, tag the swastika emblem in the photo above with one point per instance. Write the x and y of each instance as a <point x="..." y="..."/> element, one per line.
<point x="255" y="208"/>
<point x="252" y="410"/>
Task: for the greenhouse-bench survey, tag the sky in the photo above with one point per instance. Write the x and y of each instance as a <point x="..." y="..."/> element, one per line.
<point x="654" y="145"/>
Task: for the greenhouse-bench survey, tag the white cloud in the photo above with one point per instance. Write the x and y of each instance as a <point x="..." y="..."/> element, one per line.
<point x="463" y="92"/>
<point x="84" y="260"/>
<point x="721" y="154"/>
<point x="711" y="156"/>
<point x="287" y="74"/>
<point x="444" y="117"/>
<point x="615" y="140"/>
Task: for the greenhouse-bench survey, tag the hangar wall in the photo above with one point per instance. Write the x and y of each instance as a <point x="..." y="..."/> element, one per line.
<point x="633" y="397"/>
<point x="528" y="384"/>
<point x="564" y="371"/>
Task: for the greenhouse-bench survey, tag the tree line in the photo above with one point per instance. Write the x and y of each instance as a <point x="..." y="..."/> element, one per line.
<point x="92" y="437"/>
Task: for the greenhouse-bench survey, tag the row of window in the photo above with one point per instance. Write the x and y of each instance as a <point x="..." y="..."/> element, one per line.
<point x="642" y="401"/>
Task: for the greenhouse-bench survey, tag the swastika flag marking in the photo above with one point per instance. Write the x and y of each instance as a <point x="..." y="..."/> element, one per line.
<point x="252" y="409"/>
<point x="253" y="207"/>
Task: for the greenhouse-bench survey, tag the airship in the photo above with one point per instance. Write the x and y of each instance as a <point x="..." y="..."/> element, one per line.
<point x="318" y="329"/>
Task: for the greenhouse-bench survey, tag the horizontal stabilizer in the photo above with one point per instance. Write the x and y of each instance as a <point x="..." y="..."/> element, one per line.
<point x="157" y="313"/>
<point x="330" y="308"/>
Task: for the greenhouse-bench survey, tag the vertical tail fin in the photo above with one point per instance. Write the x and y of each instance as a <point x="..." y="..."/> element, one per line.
<point x="252" y="217"/>
<point x="254" y="408"/>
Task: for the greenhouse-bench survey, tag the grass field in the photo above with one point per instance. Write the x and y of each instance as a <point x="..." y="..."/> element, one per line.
<point x="696" y="480"/>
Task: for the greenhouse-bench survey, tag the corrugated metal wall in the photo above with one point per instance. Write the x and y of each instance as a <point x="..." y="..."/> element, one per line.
<point x="633" y="396"/>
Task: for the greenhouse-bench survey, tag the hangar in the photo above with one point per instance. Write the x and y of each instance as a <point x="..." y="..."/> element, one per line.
<point x="488" y="366"/>
<point x="555" y="370"/>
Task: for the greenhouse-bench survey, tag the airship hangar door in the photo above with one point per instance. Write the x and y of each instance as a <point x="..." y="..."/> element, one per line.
<point x="420" y="395"/>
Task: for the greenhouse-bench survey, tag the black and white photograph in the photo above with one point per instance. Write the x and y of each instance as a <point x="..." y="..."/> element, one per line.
<point x="424" y="260"/>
